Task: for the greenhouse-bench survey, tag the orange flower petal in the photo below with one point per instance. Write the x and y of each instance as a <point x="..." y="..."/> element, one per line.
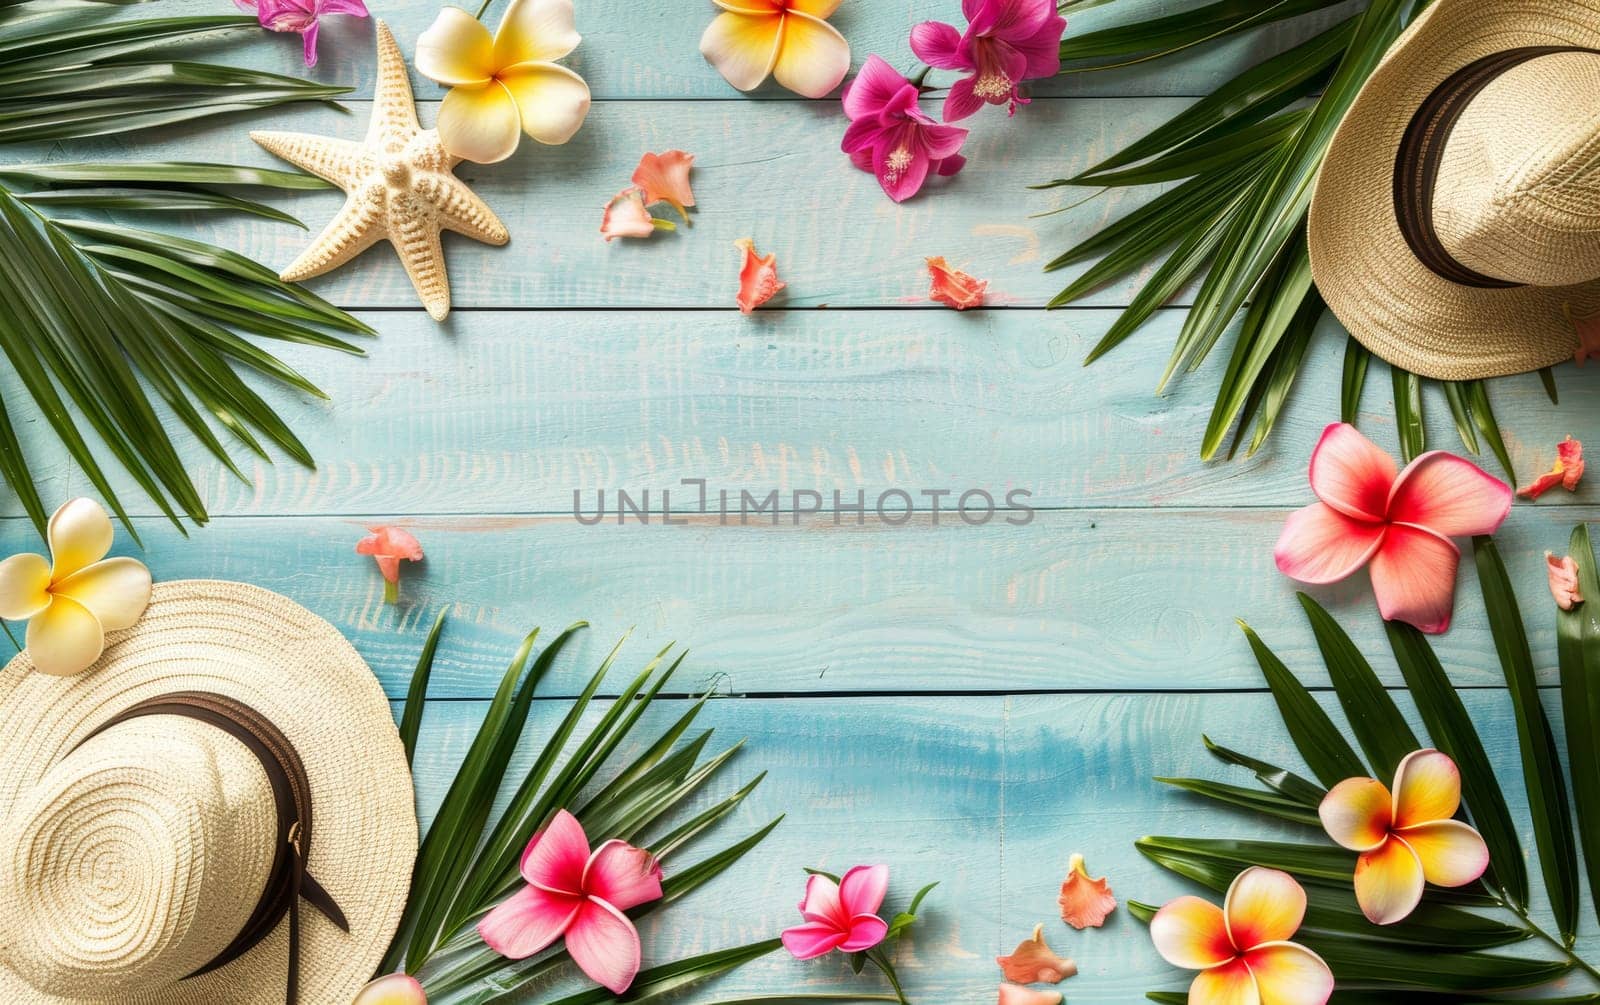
<point x="1451" y="852"/>
<point x="1084" y="902"/>
<point x="1034" y="962"/>
<point x="1357" y="813"/>
<point x="758" y="277"/>
<point x="1563" y="574"/>
<point x="1427" y="787"/>
<point x="1388" y="883"/>
<point x="664" y="177"/>
<point x="1567" y="472"/>
<point x="1290" y="974"/>
<point x="1230" y="984"/>
<point x="1263" y="905"/>
<point x="1190" y="933"/>
<point x="954" y="288"/>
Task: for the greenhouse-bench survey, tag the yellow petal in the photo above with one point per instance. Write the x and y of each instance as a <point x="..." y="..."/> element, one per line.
<point x="115" y="591"/>
<point x="1190" y="933"/>
<point x="64" y="638"/>
<point x="1357" y="813"/>
<point x="535" y="31"/>
<point x="24" y="586"/>
<point x="79" y="534"/>
<point x="1427" y="787"/>
<point x="1388" y="883"/>
<point x="1451" y="853"/>
<point x="812" y="57"/>
<point x="1229" y="984"/>
<point x="1263" y="905"/>
<point x="456" y="50"/>
<point x="480" y="123"/>
<point x="552" y="101"/>
<point x="742" y="47"/>
<point x="816" y="8"/>
<point x="1290" y="974"/>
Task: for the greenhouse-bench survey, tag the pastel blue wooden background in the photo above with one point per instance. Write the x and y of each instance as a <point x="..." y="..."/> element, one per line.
<point x="968" y="704"/>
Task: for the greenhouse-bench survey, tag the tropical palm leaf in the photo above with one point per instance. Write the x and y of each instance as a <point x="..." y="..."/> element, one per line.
<point x="101" y="321"/>
<point x="1454" y="945"/>
<point x="1247" y="155"/>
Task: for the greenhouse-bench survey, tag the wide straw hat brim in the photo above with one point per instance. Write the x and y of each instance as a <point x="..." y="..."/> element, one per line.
<point x="1392" y="303"/>
<point x="299" y="672"/>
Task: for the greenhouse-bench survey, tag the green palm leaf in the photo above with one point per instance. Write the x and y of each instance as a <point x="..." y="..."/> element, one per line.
<point x="1578" y="649"/>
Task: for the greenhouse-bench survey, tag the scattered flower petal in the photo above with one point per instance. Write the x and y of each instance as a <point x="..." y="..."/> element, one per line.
<point x="1563" y="580"/>
<point x="1084" y="902"/>
<point x="748" y="42"/>
<point x="626" y="216"/>
<point x="1006" y="43"/>
<point x="388" y="545"/>
<point x="664" y="177"/>
<point x="72" y="600"/>
<point x="1568" y="470"/>
<point x="891" y="136"/>
<point x="954" y="288"/>
<point x="392" y="989"/>
<point x="758" y="277"/>
<point x="301" y="16"/>
<point x="1013" y="994"/>
<point x="1034" y="962"/>
<point x="840" y="916"/>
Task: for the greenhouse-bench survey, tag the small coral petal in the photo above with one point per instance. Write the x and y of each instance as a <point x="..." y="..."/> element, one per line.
<point x="605" y="945"/>
<point x="557" y="856"/>
<point x="1263" y="905"/>
<point x="1563" y="574"/>
<point x="1388" y="882"/>
<point x="1350" y="473"/>
<point x="1414" y="578"/>
<point x="664" y="177"/>
<point x="116" y="591"/>
<point x="1014" y="994"/>
<point x="1450" y="496"/>
<point x="552" y="101"/>
<point x="626" y="216"/>
<point x="1451" y="852"/>
<point x="64" y="638"/>
<point x="1290" y="974"/>
<point x="812" y="56"/>
<point x="622" y="875"/>
<point x="480" y="124"/>
<point x="79" y="534"/>
<point x="743" y="47"/>
<point x="1191" y="933"/>
<point x="812" y="939"/>
<point x="1427" y="787"/>
<point x="954" y="288"/>
<point x="1358" y="813"/>
<point x="1568" y="471"/>
<point x="1034" y="962"/>
<point x="535" y="30"/>
<point x="758" y="277"/>
<point x="1540" y="485"/>
<point x="862" y="889"/>
<point x="1229" y="984"/>
<point x="24" y="586"/>
<point x="392" y="989"/>
<point x="456" y="50"/>
<point x="1321" y="545"/>
<point x="1084" y="902"/>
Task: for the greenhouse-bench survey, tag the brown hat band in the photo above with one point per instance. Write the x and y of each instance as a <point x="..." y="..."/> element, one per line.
<point x="288" y="881"/>
<point x="1421" y="153"/>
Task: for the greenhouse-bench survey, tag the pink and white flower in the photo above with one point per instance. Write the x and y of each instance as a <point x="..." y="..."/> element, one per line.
<point x="301" y="16"/>
<point x="840" y="916"/>
<point x="1006" y="43"/>
<point x="892" y="137"/>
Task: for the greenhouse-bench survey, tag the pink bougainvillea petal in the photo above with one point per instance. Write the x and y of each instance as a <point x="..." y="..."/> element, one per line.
<point x="1016" y="994"/>
<point x="1563" y="574"/>
<point x="1034" y="962"/>
<point x="866" y="931"/>
<point x="812" y="939"/>
<point x="758" y="277"/>
<point x="1427" y="787"/>
<point x="1191" y="933"/>
<point x="605" y="945"/>
<point x="1389" y="882"/>
<point x="1084" y="902"/>
<point x="1451" y="852"/>
<point x="622" y="875"/>
<point x="1289" y="974"/>
<point x="1319" y="544"/>
<point x="1357" y="813"/>
<point x="1229" y="984"/>
<point x="1450" y="496"/>
<point x="1414" y="578"/>
<point x="529" y="922"/>
<point x="1263" y="905"/>
<point x="1567" y="472"/>
<point x="557" y="856"/>
<point x="862" y="889"/>
<point x="954" y="288"/>
<point x="1350" y="473"/>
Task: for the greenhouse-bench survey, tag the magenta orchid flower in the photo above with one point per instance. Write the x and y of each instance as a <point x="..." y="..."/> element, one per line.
<point x="1006" y="43"/>
<point x="1401" y="524"/>
<point x="578" y="895"/>
<point x="842" y="915"/>
<point x="300" y="16"/>
<point x="891" y="136"/>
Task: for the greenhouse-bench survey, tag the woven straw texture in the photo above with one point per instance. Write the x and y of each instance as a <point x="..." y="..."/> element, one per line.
<point x="1391" y="302"/>
<point x="135" y="858"/>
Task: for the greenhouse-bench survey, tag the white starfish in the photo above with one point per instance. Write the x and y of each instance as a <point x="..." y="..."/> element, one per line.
<point x="399" y="188"/>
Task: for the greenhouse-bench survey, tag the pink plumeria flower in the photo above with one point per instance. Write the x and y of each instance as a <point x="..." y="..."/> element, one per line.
<point x="1006" y="43"/>
<point x="389" y="545"/>
<point x="1242" y="948"/>
<point x="302" y="16"/>
<point x="1405" y="838"/>
<point x="578" y="895"/>
<point x="892" y="137"/>
<point x="1399" y="523"/>
<point x="842" y="915"/>
<point x="1563" y="574"/>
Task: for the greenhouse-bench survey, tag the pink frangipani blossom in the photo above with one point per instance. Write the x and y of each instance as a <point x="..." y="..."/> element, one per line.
<point x="300" y="16"/>
<point x="1006" y="43"/>
<point x="840" y="915"/>
<point x="892" y="137"/>
<point x="1399" y="523"/>
<point x="578" y="895"/>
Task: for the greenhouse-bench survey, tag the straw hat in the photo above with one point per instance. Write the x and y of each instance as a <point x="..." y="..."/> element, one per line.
<point x="1455" y="226"/>
<point x="152" y="806"/>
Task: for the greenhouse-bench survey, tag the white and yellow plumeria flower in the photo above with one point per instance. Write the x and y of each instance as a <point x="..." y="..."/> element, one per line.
<point x="505" y="85"/>
<point x="792" y="40"/>
<point x="74" y="598"/>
